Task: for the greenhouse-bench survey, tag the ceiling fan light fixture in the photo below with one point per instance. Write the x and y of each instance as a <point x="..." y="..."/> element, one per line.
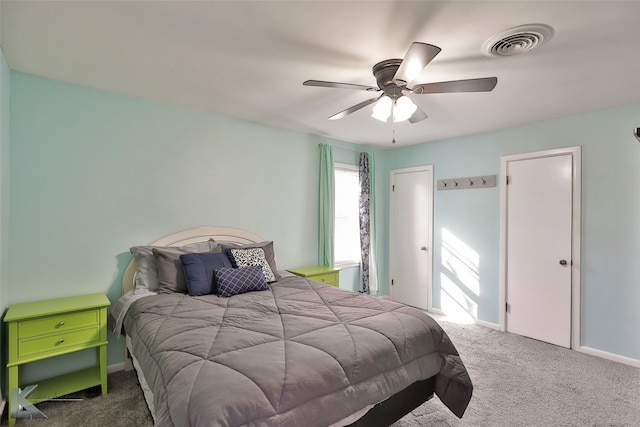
<point x="403" y="109"/>
<point x="392" y="76"/>
<point x="382" y="109"/>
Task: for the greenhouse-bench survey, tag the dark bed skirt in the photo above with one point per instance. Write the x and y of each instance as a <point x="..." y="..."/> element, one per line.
<point x="397" y="406"/>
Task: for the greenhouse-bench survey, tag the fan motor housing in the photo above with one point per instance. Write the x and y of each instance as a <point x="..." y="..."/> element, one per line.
<point x="384" y="71"/>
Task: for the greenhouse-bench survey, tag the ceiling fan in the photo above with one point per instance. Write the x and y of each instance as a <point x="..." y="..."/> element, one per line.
<point x="393" y="77"/>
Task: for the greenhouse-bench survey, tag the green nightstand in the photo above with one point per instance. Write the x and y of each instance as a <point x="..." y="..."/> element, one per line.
<point x="319" y="273"/>
<point x="43" y="329"/>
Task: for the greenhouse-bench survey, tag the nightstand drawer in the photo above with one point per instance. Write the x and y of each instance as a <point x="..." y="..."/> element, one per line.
<point x="58" y="323"/>
<point x="328" y="278"/>
<point x="319" y="273"/>
<point x="58" y="342"/>
<point x="43" y="330"/>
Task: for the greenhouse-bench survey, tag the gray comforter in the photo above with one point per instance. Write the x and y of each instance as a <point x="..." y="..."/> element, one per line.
<point x="299" y="354"/>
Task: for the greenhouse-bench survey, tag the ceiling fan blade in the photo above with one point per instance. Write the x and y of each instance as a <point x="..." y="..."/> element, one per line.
<point x="321" y="83"/>
<point x="352" y="109"/>
<point x="485" y="84"/>
<point x="417" y="116"/>
<point x="417" y="57"/>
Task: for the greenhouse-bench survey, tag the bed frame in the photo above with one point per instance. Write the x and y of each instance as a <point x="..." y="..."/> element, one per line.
<point x="381" y="415"/>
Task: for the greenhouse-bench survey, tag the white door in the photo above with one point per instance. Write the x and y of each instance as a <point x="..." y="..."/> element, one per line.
<point x="410" y="231"/>
<point x="539" y="248"/>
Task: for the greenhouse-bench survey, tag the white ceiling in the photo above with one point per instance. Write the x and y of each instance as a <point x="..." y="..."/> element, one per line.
<point x="248" y="59"/>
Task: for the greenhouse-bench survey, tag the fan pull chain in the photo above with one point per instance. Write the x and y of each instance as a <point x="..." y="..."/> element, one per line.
<point x="393" y="130"/>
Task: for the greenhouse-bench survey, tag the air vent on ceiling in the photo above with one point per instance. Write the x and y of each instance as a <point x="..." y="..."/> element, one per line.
<point x="517" y="40"/>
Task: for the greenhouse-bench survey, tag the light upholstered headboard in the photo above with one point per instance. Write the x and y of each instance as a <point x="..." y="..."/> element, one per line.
<point x="181" y="238"/>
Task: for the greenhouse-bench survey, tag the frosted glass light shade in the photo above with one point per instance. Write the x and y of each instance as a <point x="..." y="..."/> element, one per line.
<point x="382" y="109"/>
<point x="404" y="109"/>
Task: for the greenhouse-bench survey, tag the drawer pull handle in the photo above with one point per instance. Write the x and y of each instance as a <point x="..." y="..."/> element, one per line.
<point x="61" y="340"/>
<point x="61" y="323"/>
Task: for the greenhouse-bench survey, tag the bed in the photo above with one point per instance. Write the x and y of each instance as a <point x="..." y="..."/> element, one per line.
<point x="293" y="353"/>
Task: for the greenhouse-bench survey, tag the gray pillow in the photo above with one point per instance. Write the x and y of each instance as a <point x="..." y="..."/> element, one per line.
<point x="269" y="253"/>
<point x="147" y="272"/>
<point x="171" y="276"/>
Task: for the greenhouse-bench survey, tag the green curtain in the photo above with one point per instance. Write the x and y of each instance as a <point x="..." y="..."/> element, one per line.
<point x="326" y="213"/>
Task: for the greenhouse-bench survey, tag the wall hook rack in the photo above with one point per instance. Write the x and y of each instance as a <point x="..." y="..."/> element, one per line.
<point x="467" y="182"/>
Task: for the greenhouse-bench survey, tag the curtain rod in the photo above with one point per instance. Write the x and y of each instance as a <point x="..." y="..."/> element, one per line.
<point x="343" y="149"/>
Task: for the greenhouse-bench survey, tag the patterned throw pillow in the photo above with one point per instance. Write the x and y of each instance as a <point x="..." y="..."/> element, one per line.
<point x="267" y="246"/>
<point x="251" y="257"/>
<point x="234" y="281"/>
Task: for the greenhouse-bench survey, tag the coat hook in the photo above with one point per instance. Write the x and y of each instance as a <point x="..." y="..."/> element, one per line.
<point x="466" y="182"/>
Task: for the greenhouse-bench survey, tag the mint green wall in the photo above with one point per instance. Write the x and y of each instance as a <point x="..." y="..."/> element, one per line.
<point x="4" y="206"/>
<point x="610" y="214"/>
<point x="93" y="173"/>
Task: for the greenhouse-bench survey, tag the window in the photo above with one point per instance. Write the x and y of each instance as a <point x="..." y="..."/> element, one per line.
<point x="347" y="210"/>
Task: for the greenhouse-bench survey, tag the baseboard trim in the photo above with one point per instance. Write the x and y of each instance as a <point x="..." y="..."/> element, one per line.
<point x="484" y="323"/>
<point x="610" y="356"/>
<point x="116" y="367"/>
<point x="489" y="325"/>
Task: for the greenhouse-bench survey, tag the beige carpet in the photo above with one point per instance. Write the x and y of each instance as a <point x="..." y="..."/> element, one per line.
<point x="518" y="382"/>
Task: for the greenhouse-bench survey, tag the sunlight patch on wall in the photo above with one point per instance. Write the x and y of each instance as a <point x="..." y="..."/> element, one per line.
<point x="457" y="306"/>
<point x="462" y="261"/>
<point x="460" y="280"/>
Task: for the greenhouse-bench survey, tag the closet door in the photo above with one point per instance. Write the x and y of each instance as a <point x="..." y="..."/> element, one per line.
<point x="410" y="236"/>
<point x="539" y="246"/>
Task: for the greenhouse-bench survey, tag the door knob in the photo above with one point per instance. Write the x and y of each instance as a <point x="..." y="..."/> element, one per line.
<point x="423" y="248"/>
<point x="563" y="262"/>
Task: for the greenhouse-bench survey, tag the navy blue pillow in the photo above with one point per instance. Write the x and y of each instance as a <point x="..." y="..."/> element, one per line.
<point x="234" y="281"/>
<point x="198" y="270"/>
